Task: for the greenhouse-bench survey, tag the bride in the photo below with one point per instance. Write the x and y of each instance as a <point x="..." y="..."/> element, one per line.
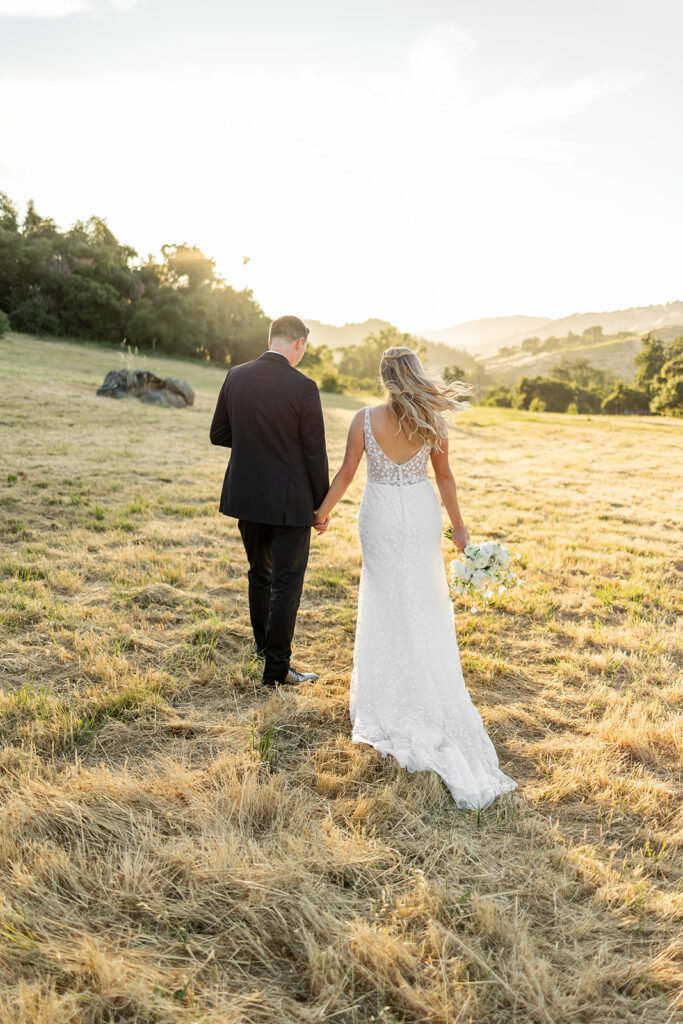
<point x="408" y="696"/>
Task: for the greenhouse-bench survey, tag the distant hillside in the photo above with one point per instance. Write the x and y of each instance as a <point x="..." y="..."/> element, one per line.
<point x="439" y="355"/>
<point x="480" y="337"/>
<point x="615" y="355"/>
<point x="669" y="333"/>
<point x="636" y="320"/>
<point x="484" y="337"/>
<point x="340" y="337"/>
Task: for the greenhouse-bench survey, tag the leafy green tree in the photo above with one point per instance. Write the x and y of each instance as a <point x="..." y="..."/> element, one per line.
<point x="668" y="400"/>
<point x="88" y="308"/>
<point x="85" y="284"/>
<point x="11" y="248"/>
<point x="673" y="367"/>
<point x="318" y="360"/>
<point x="531" y="345"/>
<point x="554" y="394"/>
<point x="453" y="373"/>
<point x="593" y="335"/>
<point x="499" y="396"/>
<point x="188" y="267"/>
<point x="582" y="372"/>
<point x="32" y="316"/>
<point x="331" y="384"/>
<point x="667" y="388"/>
<point x="4" y="323"/>
<point x="587" y="399"/>
<point x="626" y="401"/>
<point x="649" y="361"/>
<point x="361" y="362"/>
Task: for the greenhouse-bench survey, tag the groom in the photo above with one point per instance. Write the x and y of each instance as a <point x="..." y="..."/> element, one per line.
<point x="270" y="415"/>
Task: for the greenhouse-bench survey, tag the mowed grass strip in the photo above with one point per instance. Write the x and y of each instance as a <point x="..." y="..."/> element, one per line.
<point x="177" y="845"/>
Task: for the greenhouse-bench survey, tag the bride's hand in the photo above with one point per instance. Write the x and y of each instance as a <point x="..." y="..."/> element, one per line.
<point x="321" y="524"/>
<point x="460" y="536"/>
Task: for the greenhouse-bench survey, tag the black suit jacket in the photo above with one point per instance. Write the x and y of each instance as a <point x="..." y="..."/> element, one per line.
<point x="272" y="418"/>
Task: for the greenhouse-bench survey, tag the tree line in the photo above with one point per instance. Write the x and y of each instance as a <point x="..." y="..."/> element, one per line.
<point x="591" y="336"/>
<point x="575" y="385"/>
<point x="83" y="283"/>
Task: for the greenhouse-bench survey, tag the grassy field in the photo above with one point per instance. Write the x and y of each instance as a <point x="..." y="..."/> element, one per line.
<point x="177" y="845"/>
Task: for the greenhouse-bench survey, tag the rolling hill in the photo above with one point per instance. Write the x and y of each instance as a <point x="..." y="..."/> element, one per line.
<point x="636" y="320"/>
<point x="348" y="334"/>
<point x="484" y="336"/>
<point x="614" y="355"/>
<point x="482" y="339"/>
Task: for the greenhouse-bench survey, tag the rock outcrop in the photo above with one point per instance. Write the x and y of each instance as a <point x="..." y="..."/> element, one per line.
<point x="171" y="391"/>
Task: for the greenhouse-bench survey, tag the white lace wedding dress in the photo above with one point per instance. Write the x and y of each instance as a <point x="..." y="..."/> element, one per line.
<point x="408" y="695"/>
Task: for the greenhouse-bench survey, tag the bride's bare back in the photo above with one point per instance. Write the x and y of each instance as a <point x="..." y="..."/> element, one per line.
<point x="395" y="443"/>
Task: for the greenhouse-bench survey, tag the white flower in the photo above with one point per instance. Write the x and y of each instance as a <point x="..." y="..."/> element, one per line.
<point x="459" y="571"/>
<point x="503" y="557"/>
<point x="479" y="579"/>
<point x="481" y="558"/>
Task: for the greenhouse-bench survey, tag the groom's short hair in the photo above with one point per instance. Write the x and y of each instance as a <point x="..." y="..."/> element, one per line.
<point x="287" y="328"/>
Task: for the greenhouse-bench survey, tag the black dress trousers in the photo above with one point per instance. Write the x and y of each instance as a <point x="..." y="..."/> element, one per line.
<point x="277" y="557"/>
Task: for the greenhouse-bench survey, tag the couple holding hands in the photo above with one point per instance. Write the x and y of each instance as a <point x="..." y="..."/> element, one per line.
<point x="407" y="695"/>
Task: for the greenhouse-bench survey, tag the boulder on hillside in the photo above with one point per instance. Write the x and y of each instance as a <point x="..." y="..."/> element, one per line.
<point x="171" y="391"/>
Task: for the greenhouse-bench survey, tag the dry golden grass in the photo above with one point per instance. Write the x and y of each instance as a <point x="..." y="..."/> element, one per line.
<point x="178" y="846"/>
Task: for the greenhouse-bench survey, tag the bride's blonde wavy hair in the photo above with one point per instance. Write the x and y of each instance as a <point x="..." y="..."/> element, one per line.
<point x="418" y="401"/>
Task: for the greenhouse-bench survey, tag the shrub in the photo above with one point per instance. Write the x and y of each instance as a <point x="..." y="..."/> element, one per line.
<point x="537" y="405"/>
<point x="587" y="400"/>
<point x="555" y="394"/>
<point x="331" y="384"/>
<point x="33" y="317"/>
<point x="500" y="396"/>
<point x="4" y="323"/>
<point x="668" y="401"/>
<point x="626" y="401"/>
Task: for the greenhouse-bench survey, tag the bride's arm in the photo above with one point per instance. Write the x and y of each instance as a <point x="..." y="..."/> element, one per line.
<point x="449" y="495"/>
<point x="355" y="445"/>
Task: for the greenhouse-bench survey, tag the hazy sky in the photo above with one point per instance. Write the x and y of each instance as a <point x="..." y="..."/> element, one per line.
<point x="425" y="162"/>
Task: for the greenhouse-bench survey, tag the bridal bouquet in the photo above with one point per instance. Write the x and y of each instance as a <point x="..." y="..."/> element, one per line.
<point x="483" y="568"/>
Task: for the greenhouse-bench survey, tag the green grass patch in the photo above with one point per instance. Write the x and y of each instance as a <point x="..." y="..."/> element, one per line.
<point x="125" y="706"/>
